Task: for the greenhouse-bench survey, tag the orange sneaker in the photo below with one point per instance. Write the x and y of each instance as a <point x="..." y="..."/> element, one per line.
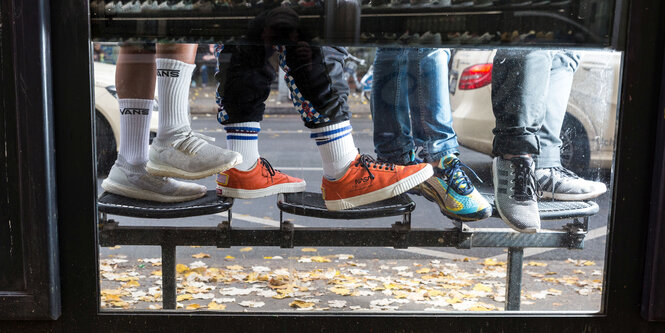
<point x="260" y="181"/>
<point x="369" y="181"/>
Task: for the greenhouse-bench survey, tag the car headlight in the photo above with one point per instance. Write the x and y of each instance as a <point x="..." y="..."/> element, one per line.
<point x="112" y="91"/>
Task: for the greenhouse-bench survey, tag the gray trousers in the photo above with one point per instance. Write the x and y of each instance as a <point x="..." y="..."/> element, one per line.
<point x="530" y="90"/>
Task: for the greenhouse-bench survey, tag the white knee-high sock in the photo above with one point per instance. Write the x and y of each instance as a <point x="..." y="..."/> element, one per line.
<point x="173" y="80"/>
<point x="337" y="149"/>
<point x="244" y="139"/>
<point x="135" y="129"/>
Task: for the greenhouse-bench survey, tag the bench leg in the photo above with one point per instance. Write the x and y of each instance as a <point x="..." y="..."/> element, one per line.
<point x="514" y="278"/>
<point x="168" y="277"/>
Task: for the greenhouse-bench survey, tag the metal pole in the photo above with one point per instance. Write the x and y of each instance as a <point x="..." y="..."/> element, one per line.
<point x="168" y="276"/>
<point x="514" y="278"/>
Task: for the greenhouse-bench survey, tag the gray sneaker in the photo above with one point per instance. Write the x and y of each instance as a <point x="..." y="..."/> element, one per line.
<point x="562" y="184"/>
<point x="134" y="181"/>
<point x="515" y="193"/>
<point x="188" y="155"/>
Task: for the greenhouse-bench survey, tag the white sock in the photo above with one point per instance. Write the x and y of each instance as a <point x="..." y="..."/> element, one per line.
<point x="135" y="129"/>
<point x="244" y="139"/>
<point x="337" y="149"/>
<point x="173" y="80"/>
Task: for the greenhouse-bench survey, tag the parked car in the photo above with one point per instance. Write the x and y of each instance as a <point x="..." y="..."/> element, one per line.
<point x="589" y="125"/>
<point x="107" y="117"/>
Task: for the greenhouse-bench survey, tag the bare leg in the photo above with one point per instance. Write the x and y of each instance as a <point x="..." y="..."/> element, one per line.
<point x="181" y="52"/>
<point x="135" y="73"/>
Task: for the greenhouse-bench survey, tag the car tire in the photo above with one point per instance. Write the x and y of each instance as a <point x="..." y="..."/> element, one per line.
<point x="106" y="145"/>
<point x="575" y="152"/>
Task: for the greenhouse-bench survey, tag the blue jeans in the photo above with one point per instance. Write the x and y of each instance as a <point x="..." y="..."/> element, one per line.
<point x="530" y="90"/>
<point x="411" y="106"/>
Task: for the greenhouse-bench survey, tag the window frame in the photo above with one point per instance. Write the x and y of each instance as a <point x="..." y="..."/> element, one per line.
<point x="28" y="133"/>
<point x="636" y="33"/>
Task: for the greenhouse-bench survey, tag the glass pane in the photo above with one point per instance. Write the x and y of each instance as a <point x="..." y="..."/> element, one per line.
<point x="352" y="127"/>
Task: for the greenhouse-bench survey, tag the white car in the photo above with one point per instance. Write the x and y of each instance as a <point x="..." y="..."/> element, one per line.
<point x="588" y="130"/>
<point x="107" y="117"/>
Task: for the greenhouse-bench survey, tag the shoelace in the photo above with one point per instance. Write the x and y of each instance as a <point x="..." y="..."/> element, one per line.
<point x="268" y="167"/>
<point x="368" y="162"/>
<point x="525" y="183"/>
<point x="564" y="173"/>
<point x="191" y="142"/>
<point x="456" y="177"/>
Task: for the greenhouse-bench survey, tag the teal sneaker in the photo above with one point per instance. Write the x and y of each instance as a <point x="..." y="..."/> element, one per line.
<point x="453" y="191"/>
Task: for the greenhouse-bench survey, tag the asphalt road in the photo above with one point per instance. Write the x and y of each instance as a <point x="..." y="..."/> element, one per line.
<point x="285" y="142"/>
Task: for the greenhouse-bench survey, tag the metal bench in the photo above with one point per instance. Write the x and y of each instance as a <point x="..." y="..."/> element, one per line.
<point x="399" y="235"/>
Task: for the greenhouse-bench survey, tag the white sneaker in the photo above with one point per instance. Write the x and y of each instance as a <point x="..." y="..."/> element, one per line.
<point x="187" y="155"/>
<point x="134" y="181"/>
<point x="562" y="184"/>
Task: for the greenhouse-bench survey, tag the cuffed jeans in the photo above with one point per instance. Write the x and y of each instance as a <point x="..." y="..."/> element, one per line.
<point x="410" y="104"/>
<point x="530" y="91"/>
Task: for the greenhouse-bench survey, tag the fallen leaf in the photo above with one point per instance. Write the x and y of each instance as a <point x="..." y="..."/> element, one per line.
<point x="537" y="264"/>
<point x="300" y="304"/>
<point x="180" y="268"/>
<point x="184" y="297"/>
<point x="216" y="306"/>
<point x="131" y="284"/>
<point x="235" y="268"/>
<point x="309" y="249"/>
<point x="193" y="306"/>
<point x="251" y="304"/>
<point x="200" y="255"/>
<point x="229" y="257"/>
<point x="246" y="249"/>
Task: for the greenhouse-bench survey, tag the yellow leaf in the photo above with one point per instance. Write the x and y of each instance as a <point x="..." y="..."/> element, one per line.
<point x="126" y="278"/>
<point x="246" y="249"/>
<point x="309" y="249"/>
<point x="216" y="306"/>
<point x="423" y="270"/>
<point x="320" y="259"/>
<point x="184" y="297"/>
<point x="115" y="247"/>
<point x="180" y="268"/>
<point x="588" y="263"/>
<point x="112" y="298"/>
<point x="482" y="287"/>
<point x="193" y="306"/>
<point x="435" y="293"/>
<point x="340" y="291"/>
<point x="130" y="284"/>
<point x="482" y="307"/>
<point x="298" y="304"/>
<point x="195" y="246"/>
<point x="201" y="255"/>
<point x="229" y="257"/>
<point x="537" y="264"/>
<point x="267" y="258"/>
<point x="453" y="300"/>
<point x="493" y="262"/>
<point x="234" y="268"/>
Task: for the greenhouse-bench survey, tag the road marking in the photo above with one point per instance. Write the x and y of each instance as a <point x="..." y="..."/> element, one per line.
<point x="591" y="235"/>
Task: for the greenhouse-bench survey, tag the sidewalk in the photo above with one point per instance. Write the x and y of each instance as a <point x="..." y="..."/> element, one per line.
<point x="202" y="101"/>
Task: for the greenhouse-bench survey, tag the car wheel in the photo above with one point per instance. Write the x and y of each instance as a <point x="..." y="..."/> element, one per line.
<point x="106" y="145"/>
<point x="575" y="151"/>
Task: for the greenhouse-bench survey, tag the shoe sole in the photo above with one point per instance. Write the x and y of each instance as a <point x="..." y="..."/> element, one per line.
<point x="495" y="179"/>
<point x="573" y="197"/>
<point x="162" y="170"/>
<point x="432" y="195"/>
<point x="125" y="191"/>
<point x="260" y="193"/>
<point x="387" y="192"/>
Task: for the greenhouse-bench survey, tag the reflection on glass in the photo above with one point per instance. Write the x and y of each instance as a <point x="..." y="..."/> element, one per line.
<point x="474" y="153"/>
